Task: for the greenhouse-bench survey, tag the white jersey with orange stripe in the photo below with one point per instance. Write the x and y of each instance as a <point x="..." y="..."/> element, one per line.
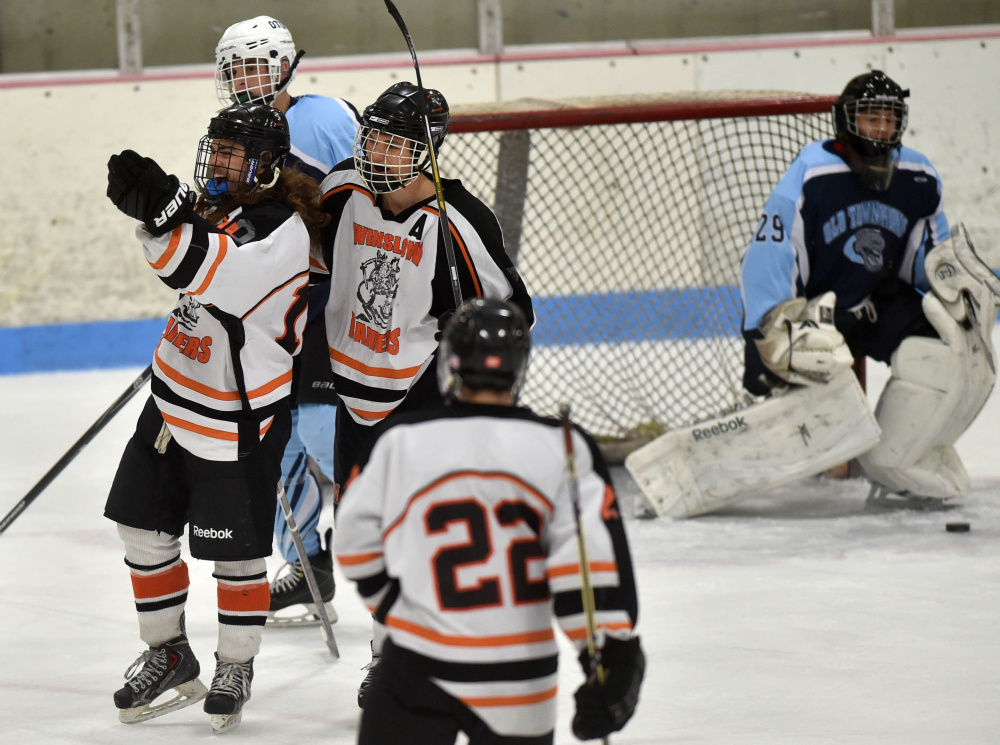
<point x="391" y="284"/>
<point x="460" y="532"/>
<point x="237" y="323"/>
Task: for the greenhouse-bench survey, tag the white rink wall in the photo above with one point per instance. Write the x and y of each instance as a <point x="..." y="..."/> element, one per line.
<point x="66" y="255"/>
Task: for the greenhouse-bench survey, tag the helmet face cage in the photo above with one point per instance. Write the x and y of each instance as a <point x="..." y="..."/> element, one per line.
<point x="885" y="121"/>
<point x="242" y="153"/>
<point x="485" y="345"/>
<point x="871" y="116"/>
<point x="390" y="148"/>
<point x="387" y="162"/>
<point x="249" y="59"/>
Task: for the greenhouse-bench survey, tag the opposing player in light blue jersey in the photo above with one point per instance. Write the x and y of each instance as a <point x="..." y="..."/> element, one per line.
<point x="851" y="257"/>
<point x="255" y="62"/>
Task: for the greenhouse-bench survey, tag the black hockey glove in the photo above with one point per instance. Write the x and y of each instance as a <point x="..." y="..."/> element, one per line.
<point x="140" y="188"/>
<point x="442" y="322"/>
<point x="603" y="708"/>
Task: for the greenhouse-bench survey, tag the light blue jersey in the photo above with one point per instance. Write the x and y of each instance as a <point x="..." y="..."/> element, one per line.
<point x="322" y="131"/>
<point x="823" y="230"/>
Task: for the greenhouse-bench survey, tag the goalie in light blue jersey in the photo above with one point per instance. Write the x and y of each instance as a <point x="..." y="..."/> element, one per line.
<point x="852" y="256"/>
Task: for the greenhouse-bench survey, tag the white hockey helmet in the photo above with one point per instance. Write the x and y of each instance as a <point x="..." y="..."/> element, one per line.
<point x="255" y="60"/>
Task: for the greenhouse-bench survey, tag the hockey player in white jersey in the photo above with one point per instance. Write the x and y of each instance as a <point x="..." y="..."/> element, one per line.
<point x="207" y="447"/>
<point x="459" y="529"/>
<point x="852" y="257"/>
<point x="256" y="61"/>
<point x="383" y="246"/>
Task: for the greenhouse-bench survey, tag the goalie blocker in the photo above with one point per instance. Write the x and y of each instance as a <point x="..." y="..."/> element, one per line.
<point x="936" y="389"/>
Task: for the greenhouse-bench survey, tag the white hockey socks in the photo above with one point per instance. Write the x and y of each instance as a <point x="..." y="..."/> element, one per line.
<point x="159" y="582"/>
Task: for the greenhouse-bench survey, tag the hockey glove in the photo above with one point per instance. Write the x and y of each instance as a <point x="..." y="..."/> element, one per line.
<point x="801" y="344"/>
<point x="442" y="322"/>
<point x="603" y="708"/>
<point x="139" y="187"/>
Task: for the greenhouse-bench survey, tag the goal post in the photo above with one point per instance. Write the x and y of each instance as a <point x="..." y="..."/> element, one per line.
<point x="627" y="217"/>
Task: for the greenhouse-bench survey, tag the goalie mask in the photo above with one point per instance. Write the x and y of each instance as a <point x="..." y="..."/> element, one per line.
<point x="870" y="116"/>
<point x="390" y="148"/>
<point x="255" y="60"/>
<point x="485" y="345"/>
<point x="242" y="153"/>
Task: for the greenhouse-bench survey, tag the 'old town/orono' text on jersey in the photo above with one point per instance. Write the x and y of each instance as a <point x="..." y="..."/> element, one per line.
<point x="460" y="533"/>
<point x="225" y="359"/>
<point x="391" y="284"/>
<point x="822" y="230"/>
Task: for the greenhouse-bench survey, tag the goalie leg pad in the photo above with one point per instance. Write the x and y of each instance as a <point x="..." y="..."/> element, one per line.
<point x="798" y="433"/>
<point x="936" y="390"/>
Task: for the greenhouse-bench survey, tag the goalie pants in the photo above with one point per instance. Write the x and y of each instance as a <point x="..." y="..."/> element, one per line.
<point x="403" y="705"/>
<point x="876" y="334"/>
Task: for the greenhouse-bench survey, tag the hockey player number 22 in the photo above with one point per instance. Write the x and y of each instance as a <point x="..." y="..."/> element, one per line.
<point x="478" y="549"/>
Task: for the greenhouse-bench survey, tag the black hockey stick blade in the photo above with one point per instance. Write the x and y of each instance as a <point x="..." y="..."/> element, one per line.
<point x="85" y="438"/>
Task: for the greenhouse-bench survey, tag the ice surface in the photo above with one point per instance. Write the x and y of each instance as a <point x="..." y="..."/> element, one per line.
<point x="796" y="618"/>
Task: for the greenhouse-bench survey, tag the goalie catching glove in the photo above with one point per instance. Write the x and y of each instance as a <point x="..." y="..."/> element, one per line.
<point x="142" y="190"/>
<point x="603" y="708"/>
<point x="800" y="344"/>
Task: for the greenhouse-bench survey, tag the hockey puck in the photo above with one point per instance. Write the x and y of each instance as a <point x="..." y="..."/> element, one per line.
<point x="957" y="527"/>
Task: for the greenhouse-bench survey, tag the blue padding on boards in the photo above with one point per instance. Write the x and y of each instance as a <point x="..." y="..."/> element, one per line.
<point x="563" y="320"/>
<point x="79" y="346"/>
<point x="655" y="315"/>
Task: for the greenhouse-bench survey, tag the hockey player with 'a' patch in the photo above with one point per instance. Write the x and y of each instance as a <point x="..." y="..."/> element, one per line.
<point x="207" y="448"/>
<point x="851" y="257"/>
<point x="391" y="273"/>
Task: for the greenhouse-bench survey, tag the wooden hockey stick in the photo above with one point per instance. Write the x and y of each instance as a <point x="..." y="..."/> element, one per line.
<point x="586" y="587"/>
<point x="307" y="572"/>
<point x="85" y="438"/>
<point x="449" y="248"/>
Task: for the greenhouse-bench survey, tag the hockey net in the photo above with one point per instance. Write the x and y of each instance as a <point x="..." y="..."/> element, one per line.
<point x="627" y="218"/>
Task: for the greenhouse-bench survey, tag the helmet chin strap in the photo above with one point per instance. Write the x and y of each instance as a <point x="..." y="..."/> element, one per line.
<point x="283" y="83"/>
<point x="274" y="179"/>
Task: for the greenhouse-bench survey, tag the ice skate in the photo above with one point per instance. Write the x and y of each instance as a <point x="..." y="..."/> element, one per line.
<point x="291" y="602"/>
<point x="369" y="678"/>
<point x="881" y="499"/>
<point x="230" y="690"/>
<point x="170" y="667"/>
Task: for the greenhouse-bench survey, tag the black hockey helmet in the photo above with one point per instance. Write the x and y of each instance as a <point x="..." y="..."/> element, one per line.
<point x="877" y="98"/>
<point x="262" y="133"/>
<point x="485" y="344"/>
<point x="390" y="148"/>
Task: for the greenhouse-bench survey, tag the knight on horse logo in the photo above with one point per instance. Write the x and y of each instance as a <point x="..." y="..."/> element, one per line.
<point x="379" y="283"/>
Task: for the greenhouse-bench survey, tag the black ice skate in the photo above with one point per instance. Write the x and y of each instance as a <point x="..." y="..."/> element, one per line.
<point x="291" y="602"/>
<point x="170" y="667"/>
<point x="367" y="682"/>
<point x="230" y="690"/>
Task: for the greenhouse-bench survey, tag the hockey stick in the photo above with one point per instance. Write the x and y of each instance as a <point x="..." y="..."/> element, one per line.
<point x="586" y="587"/>
<point x="449" y="248"/>
<point x="87" y="436"/>
<point x="307" y="572"/>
